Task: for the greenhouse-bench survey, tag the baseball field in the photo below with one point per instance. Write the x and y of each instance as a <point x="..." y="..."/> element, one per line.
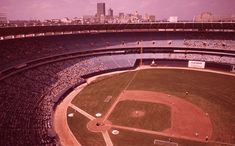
<point x="151" y="107"/>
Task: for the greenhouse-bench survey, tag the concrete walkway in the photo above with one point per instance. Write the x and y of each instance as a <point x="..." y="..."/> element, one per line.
<point x="60" y="123"/>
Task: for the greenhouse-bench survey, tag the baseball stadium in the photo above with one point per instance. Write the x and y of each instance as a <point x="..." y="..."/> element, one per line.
<point x="148" y="84"/>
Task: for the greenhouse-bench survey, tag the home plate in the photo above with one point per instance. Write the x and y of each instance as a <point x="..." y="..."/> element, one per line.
<point x="98" y="115"/>
<point x="70" y="115"/>
<point x="115" y="132"/>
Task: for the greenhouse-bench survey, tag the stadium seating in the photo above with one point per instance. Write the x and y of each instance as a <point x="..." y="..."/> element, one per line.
<point x="26" y="98"/>
<point x="22" y="50"/>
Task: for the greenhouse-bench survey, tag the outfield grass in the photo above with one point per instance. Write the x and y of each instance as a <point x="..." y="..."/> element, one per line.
<point x="157" y="117"/>
<point x="91" y="99"/>
<point x="214" y="93"/>
<point x="77" y="125"/>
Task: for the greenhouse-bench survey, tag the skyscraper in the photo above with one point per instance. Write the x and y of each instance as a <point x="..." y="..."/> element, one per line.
<point x="3" y="18"/>
<point x="110" y="13"/>
<point x="100" y="9"/>
<point x="121" y="15"/>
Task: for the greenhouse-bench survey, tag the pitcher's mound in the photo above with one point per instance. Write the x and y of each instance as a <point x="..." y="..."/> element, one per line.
<point x="137" y="114"/>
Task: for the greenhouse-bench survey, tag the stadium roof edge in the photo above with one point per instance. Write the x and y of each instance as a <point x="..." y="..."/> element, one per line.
<point x="156" y="26"/>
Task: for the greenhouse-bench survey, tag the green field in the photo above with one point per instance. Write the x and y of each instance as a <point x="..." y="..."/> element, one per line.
<point x="77" y="124"/>
<point x="92" y="98"/>
<point x="157" y="117"/>
<point x="213" y="93"/>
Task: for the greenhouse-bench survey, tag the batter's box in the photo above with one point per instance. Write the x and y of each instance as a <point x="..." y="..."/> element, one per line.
<point x="108" y="98"/>
<point x="164" y="143"/>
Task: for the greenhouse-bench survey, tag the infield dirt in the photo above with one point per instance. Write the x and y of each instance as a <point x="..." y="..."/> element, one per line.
<point x="186" y="118"/>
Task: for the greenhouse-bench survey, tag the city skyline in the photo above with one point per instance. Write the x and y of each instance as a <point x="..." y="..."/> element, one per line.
<point x="162" y="9"/>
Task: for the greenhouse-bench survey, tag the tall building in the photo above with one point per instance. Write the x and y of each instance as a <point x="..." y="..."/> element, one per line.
<point x="209" y="17"/>
<point x="110" y="12"/>
<point x="100" y="9"/>
<point x="173" y="19"/>
<point x="3" y="18"/>
<point x="121" y="15"/>
<point x="152" y="18"/>
<point x="204" y="17"/>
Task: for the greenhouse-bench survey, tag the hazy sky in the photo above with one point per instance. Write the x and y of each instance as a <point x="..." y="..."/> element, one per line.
<point x="46" y="9"/>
